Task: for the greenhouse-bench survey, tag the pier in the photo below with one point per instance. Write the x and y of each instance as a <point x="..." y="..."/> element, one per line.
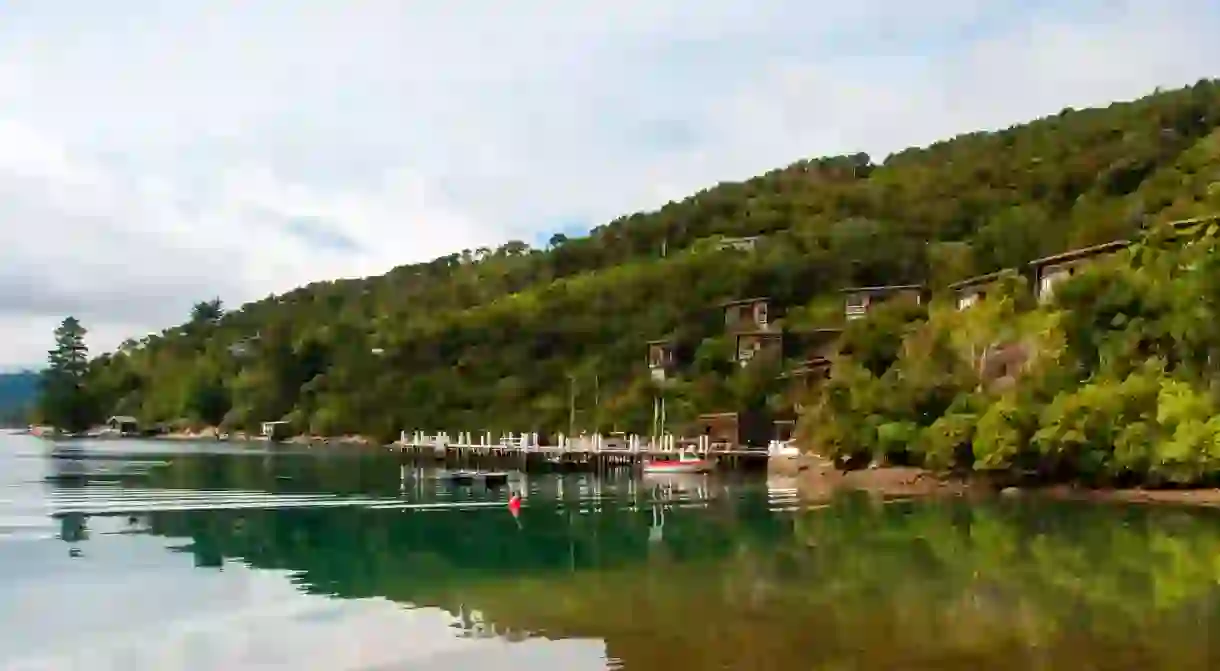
<point x="573" y="453"/>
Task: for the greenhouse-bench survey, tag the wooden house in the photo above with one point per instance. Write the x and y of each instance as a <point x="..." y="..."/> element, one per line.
<point x="747" y="314"/>
<point x="276" y="431"/>
<point x="859" y="300"/>
<point x="123" y="424"/>
<point x="752" y="345"/>
<point x="1051" y="270"/>
<point x="741" y="244"/>
<point x="661" y="359"/>
<point x="970" y="291"/>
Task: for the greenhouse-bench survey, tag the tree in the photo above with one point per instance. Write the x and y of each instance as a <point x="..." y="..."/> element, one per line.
<point x="65" y="401"/>
<point x="207" y="312"/>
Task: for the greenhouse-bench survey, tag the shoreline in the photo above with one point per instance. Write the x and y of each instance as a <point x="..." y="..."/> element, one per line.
<point x="818" y="481"/>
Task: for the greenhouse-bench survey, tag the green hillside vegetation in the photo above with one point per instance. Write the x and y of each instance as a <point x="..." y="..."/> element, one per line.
<point x="498" y="339"/>
<point x="1120" y="382"/>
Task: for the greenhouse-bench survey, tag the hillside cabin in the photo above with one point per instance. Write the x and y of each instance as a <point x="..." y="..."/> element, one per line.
<point x="859" y="300"/>
<point x="757" y="344"/>
<point x="742" y="244"/>
<point x="747" y="314"/>
<point x="123" y="424"/>
<point x="816" y="345"/>
<point x="276" y="431"/>
<point x="1052" y="270"/>
<point x="660" y="358"/>
<point x="740" y="430"/>
<point x="972" y="290"/>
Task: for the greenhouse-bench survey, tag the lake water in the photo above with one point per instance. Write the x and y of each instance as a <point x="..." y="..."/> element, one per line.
<point x="144" y="555"/>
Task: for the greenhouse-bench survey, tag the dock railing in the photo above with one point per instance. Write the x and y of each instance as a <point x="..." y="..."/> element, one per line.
<point x="585" y="443"/>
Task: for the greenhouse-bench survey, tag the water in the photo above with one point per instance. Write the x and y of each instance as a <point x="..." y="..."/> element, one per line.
<point x="142" y="555"/>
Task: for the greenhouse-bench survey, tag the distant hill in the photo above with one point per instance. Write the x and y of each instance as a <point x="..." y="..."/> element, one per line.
<point x="17" y="393"/>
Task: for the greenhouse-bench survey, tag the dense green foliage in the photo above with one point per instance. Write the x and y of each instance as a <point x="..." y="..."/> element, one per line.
<point x="18" y="394"/>
<point x="66" y="400"/>
<point x="497" y="339"/>
<point x="1119" y="382"/>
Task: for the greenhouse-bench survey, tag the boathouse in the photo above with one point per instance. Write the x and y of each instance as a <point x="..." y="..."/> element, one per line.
<point x="124" y="424"/>
<point x="747" y="314"/>
<point x="1051" y="270"/>
<point x="275" y="431"/>
<point x="741" y="430"/>
<point x="859" y="300"/>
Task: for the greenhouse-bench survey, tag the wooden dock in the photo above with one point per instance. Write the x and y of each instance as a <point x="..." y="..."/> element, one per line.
<point x="590" y="452"/>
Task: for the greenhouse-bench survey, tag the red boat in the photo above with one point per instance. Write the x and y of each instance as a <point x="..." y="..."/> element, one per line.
<point x="686" y="462"/>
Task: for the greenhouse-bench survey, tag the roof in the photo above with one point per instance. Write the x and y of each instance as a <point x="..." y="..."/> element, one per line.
<point x="881" y="289"/>
<point x="1083" y="252"/>
<point x="124" y="419"/>
<point x="834" y="330"/>
<point x="743" y="301"/>
<point x="660" y="341"/>
<point x="717" y="415"/>
<point x="980" y="279"/>
<point x="760" y="333"/>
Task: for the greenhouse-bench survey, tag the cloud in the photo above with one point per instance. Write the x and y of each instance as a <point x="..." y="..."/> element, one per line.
<point x="152" y="156"/>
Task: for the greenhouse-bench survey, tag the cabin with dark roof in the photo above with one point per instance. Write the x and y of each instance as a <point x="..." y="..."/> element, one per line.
<point x="747" y="314"/>
<point x="123" y="424"/>
<point x="972" y="290"/>
<point x="741" y="244"/>
<point x="859" y="300"/>
<point x="661" y="358"/>
<point x="752" y="345"/>
<point x="1051" y="270"/>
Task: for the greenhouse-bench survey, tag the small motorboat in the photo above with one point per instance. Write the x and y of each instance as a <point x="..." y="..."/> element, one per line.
<point x="687" y="462"/>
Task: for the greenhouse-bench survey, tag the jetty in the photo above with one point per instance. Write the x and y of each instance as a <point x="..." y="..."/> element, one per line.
<point x="526" y="451"/>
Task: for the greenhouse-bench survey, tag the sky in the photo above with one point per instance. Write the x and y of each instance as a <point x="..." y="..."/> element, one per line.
<point x="158" y="153"/>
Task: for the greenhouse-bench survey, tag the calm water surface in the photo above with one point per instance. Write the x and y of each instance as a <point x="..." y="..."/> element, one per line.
<point x="143" y="555"/>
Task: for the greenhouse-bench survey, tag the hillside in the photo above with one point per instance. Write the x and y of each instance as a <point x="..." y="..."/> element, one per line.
<point x="500" y="339"/>
<point x="18" y="391"/>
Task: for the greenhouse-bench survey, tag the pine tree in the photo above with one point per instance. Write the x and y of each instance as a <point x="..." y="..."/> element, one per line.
<point x="65" y="400"/>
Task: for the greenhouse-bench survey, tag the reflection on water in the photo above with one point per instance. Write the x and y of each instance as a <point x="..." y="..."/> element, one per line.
<point x="166" y="556"/>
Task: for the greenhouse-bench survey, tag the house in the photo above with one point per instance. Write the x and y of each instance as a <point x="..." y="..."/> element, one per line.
<point x="1051" y="270"/>
<point x="747" y="314"/>
<point x="123" y="424"/>
<point x="752" y="429"/>
<point x="660" y="358"/>
<point x="755" y="344"/>
<point x="862" y="299"/>
<point x="972" y="290"/>
<point x="743" y="244"/>
<point x="276" y="431"/>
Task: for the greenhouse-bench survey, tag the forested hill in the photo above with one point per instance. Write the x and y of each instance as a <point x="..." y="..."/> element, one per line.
<point x="18" y="391"/>
<point x="499" y="338"/>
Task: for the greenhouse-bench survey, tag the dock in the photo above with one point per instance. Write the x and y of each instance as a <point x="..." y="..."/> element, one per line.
<point x="575" y="453"/>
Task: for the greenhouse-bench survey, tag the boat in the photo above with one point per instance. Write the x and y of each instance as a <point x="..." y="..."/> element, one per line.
<point x="687" y="462"/>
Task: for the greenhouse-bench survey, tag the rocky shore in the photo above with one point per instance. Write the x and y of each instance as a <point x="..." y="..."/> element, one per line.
<point x="817" y="479"/>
